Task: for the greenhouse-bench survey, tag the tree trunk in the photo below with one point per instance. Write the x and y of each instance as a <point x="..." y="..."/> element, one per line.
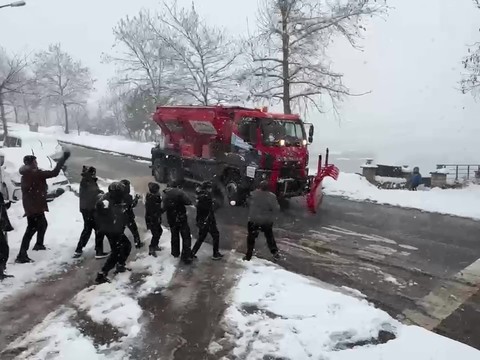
<point x="28" y="116"/>
<point x="2" y="116"/>
<point x="287" y="109"/>
<point x="65" y="109"/>
<point x="15" y="111"/>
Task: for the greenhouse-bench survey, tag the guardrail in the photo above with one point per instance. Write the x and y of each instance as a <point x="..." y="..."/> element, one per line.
<point x="135" y="157"/>
<point x="460" y="171"/>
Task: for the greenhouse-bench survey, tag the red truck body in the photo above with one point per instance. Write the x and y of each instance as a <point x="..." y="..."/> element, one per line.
<point x="235" y="147"/>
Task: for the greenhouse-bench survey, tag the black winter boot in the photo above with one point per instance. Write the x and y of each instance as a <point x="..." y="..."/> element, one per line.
<point x="23" y="260"/>
<point x="102" y="278"/>
<point x="4" y="276"/>
<point x="101" y="255"/>
<point x="217" y="256"/>
<point x="152" y="252"/>
<point x="121" y="269"/>
<point x="39" y="247"/>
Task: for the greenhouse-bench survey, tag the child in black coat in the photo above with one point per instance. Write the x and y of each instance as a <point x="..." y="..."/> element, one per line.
<point x="153" y="216"/>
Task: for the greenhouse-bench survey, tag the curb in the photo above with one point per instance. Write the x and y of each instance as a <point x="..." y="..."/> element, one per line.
<point x="135" y="157"/>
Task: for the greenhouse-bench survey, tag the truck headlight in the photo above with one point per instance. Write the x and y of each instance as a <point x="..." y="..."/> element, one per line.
<point x="304" y="142"/>
<point x="282" y="142"/>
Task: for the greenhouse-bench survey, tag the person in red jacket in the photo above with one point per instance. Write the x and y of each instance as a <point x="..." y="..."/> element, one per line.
<point x="34" y="199"/>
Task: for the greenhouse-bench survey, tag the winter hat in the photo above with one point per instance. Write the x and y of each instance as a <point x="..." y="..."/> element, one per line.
<point x="153" y="187"/>
<point x="263" y="185"/>
<point x="116" y="189"/>
<point x="89" y="170"/>
<point x="29" y="159"/>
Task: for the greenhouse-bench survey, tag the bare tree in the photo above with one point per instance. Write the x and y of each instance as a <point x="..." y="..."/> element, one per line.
<point x="79" y="115"/>
<point x="470" y="81"/>
<point x="12" y="80"/>
<point x="26" y="100"/>
<point x="288" y="53"/>
<point x="205" y="55"/>
<point x="143" y="61"/>
<point x="62" y="80"/>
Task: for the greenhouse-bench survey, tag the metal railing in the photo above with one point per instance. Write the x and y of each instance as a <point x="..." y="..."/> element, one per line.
<point x="460" y="171"/>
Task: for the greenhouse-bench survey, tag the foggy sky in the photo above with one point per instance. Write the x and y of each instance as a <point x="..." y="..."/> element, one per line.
<point x="410" y="63"/>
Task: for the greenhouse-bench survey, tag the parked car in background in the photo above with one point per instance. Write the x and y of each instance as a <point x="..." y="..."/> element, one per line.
<point x="36" y="142"/>
<point x="11" y="159"/>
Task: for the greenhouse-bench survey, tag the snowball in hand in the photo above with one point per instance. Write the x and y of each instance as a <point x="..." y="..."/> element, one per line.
<point x="233" y="202"/>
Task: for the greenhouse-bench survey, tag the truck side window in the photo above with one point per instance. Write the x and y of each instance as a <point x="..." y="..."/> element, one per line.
<point x="247" y="130"/>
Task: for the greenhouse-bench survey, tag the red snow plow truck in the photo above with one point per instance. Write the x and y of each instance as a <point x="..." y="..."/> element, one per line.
<point x="236" y="148"/>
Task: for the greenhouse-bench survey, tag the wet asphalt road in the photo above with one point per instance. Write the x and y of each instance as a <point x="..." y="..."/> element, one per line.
<point x="394" y="256"/>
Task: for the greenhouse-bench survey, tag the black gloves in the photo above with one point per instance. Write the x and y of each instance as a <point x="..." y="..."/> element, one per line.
<point x="66" y="155"/>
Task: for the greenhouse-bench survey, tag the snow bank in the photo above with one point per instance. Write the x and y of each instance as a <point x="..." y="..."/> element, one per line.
<point x="65" y="224"/>
<point x="459" y="202"/>
<point x="116" y="304"/>
<point x="57" y="338"/>
<point x="112" y="303"/>
<point x="278" y="314"/>
<point x="112" y="143"/>
<point x="118" y="144"/>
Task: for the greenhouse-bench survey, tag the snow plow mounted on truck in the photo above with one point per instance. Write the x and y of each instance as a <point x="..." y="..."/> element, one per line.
<point x="236" y="148"/>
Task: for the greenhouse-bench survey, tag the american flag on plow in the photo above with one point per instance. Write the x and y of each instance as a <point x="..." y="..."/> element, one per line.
<point x="315" y="196"/>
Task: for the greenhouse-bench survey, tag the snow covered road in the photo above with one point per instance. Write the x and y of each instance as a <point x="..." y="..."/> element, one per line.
<point x="350" y="243"/>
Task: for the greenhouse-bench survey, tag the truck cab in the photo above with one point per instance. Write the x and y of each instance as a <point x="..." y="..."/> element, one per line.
<point x="276" y="150"/>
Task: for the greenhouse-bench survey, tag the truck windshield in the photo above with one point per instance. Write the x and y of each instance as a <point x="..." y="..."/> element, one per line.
<point x="274" y="130"/>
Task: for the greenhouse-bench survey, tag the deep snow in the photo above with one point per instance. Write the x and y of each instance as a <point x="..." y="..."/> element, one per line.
<point x="116" y="144"/>
<point x="61" y="239"/>
<point x="460" y="202"/>
<point x="116" y="304"/>
<point x="278" y="314"/>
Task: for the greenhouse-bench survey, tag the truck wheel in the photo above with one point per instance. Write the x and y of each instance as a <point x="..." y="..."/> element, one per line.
<point x="158" y="171"/>
<point x="284" y="203"/>
<point x="175" y="173"/>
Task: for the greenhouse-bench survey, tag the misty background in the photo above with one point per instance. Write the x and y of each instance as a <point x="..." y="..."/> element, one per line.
<point x="410" y="64"/>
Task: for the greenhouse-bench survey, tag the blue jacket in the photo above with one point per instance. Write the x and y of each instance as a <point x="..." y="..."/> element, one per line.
<point x="416" y="179"/>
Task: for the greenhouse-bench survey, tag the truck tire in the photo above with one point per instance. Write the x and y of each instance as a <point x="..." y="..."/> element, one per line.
<point x="158" y="171"/>
<point x="284" y="203"/>
<point x="175" y="173"/>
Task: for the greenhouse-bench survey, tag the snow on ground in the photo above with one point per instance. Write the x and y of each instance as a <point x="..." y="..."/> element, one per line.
<point x="64" y="227"/>
<point x="115" y="304"/>
<point x="112" y="143"/>
<point x="57" y="338"/>
<point x="278" y="314"/>
<point x="459" y="202"/>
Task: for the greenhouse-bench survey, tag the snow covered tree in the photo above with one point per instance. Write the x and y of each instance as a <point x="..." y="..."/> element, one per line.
<point x="289" y="61"/>
<point x="62" y="80"/>
<point x="12" y="79"/>
<point x="205" y="57"/>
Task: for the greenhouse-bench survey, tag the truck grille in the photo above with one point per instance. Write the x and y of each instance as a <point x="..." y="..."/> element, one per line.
<point x="290" y="169"/>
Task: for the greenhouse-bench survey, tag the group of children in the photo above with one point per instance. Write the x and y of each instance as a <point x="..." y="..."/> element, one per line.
<point x="109" y="214"/>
